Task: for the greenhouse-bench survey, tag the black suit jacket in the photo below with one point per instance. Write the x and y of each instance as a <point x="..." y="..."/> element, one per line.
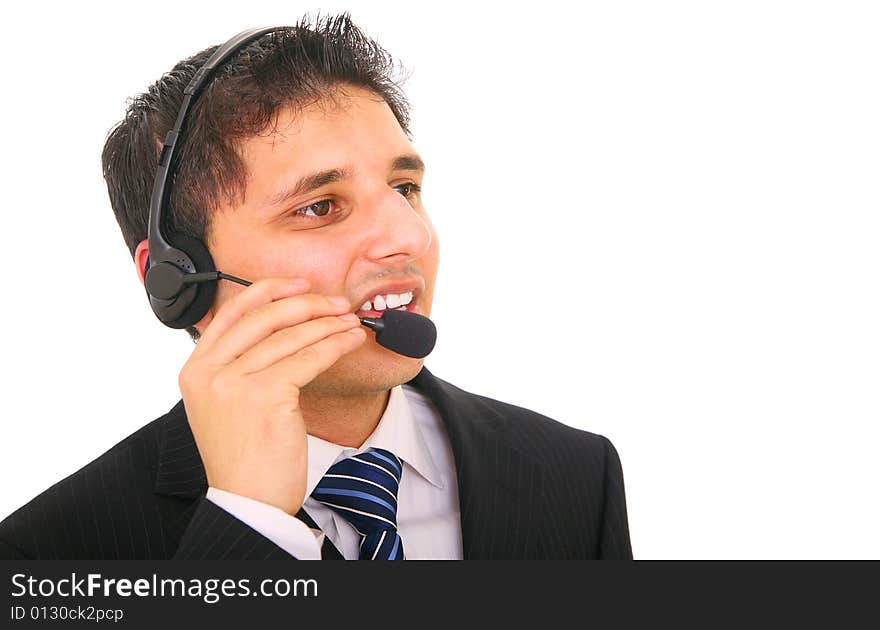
<point x="529" y="487"/>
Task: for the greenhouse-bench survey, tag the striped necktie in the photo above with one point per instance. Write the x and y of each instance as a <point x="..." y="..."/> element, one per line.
<point x="363" y="490"/>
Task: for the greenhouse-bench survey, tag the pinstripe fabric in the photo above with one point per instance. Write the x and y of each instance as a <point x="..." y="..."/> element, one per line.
<point x="529" y="487"/>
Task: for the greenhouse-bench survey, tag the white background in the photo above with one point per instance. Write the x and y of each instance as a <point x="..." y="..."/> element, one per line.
<point x="658" y="222"/>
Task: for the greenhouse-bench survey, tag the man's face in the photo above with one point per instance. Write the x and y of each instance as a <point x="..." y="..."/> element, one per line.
<point x="330" y="198"/>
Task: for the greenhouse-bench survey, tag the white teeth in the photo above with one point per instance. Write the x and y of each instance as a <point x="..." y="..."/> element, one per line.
<point x="391" y="300"/>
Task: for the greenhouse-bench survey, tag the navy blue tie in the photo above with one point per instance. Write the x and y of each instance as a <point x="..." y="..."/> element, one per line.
<point x="363" y="489"/>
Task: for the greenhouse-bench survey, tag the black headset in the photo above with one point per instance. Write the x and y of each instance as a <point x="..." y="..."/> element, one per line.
<point x="181" y="279"/>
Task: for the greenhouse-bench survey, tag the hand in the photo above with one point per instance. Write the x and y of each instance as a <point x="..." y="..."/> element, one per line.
<point x="242" y="382"/>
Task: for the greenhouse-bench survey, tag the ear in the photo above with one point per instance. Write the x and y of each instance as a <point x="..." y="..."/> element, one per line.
<point x="140" y="259"/>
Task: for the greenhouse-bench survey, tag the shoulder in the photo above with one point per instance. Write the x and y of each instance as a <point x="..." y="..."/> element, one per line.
<point x="66" y="519"/>
<point x="525" y="429"/>
<point x="569" y="473"/>
<point x="537" y="432"/>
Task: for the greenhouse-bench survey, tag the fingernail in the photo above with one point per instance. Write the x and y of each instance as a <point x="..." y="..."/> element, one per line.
<point x="338" y="301"/>
<point x="299" y="283"/>
<point x="349" y="317"/>
<point x="356" y="331"/>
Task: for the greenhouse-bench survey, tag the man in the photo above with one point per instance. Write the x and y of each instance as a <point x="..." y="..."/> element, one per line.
<point x="297" y="435"/>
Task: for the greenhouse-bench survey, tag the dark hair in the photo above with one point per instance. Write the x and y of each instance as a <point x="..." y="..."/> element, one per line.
<point x="287" y="68"/>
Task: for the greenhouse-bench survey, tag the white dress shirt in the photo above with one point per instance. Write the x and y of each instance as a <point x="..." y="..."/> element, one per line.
<point x="428" y="517"/>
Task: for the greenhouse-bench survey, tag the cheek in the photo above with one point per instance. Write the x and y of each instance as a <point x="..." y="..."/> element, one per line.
<point x="428" y="265"/>
<point x="325" y="265"/>
<point x="428" y="256"/>
<point x="323" y="262"/>
<point x="434" y="252"/>
<point x="431" y="259"/>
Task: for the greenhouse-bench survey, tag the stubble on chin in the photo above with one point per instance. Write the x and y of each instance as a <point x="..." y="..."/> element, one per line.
<point x="350" y="378"/>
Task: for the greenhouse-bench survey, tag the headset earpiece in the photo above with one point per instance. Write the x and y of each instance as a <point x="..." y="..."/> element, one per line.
<point x="177" y="305"/>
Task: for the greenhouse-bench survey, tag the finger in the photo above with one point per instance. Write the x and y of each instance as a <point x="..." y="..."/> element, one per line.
<point x="301" y="368"/>
<point x="260" y="292"/>
<point x="289" y="341"/>
<point x="259" y="323"/>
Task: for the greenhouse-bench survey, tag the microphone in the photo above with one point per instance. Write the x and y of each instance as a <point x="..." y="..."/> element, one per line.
<point x="409" y="334"/>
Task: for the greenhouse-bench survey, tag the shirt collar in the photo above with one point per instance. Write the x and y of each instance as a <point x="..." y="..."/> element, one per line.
<point x="397" y="432"/>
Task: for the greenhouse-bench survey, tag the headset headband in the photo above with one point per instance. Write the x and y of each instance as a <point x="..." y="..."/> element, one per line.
<point x="159" y="246"/>
<point x="177" y="280"/>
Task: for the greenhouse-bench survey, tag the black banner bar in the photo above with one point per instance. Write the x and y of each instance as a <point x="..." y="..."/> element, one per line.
<point x="241" y="594"/>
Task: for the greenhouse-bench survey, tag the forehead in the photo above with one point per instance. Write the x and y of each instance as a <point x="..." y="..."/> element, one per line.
<point x="348" y="126"/>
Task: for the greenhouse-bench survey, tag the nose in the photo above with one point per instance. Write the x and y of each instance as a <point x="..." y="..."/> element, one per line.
<point x="397" y="230"/>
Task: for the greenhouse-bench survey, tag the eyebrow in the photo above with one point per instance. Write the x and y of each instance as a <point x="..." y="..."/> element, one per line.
<point x="409" y="162"/>
<point x="313" y="181"/>
<point x="308" y="183"/>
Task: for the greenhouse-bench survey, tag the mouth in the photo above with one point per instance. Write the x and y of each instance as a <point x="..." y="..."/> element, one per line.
<point x="396" y="299"/>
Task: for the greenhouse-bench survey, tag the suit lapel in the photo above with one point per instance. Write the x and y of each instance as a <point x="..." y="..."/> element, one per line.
<point x="328" y="549"/>
<point x="181" y="473"/>
<point x="499" y="483"/>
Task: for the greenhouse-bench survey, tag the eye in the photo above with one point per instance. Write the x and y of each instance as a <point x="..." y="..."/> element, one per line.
<point x="317" y="209"/>
<point x="317" y="214"/>
<point x="408" y="189"/>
